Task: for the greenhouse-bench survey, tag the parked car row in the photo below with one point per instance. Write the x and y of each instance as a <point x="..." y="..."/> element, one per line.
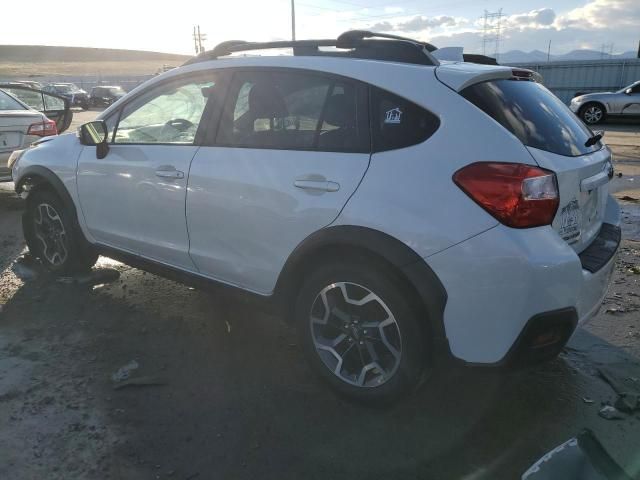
<point x="100" y="96"/>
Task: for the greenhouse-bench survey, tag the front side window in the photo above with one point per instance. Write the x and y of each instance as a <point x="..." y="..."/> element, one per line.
<point x="293" y="110"/>
<point x="170" y="114"/>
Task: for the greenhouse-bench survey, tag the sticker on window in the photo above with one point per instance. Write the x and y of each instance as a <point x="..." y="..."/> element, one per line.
<point x="393" y="116"/>
<point x="570" y="221"/>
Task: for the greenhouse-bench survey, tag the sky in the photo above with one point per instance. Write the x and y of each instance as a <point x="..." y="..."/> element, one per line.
<point x="167" y="26"/>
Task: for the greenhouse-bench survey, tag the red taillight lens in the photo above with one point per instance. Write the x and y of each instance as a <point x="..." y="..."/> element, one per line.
<point x="520" y="196"/>
<point x="43" y="129"/>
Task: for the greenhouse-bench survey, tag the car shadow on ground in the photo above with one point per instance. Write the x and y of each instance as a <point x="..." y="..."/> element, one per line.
<point x="237" y="400"/>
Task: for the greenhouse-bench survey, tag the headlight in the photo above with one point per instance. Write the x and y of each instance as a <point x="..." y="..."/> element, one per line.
<point x="14" y="157"/>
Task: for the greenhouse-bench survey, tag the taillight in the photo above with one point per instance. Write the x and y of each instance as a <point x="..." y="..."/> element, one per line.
<point x="519" y="196"/>
<point x="43" y="129"/>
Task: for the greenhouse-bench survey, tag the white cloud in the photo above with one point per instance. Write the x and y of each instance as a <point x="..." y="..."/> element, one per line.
<point x="589" y="26"/>
<point x="534" y="18"/>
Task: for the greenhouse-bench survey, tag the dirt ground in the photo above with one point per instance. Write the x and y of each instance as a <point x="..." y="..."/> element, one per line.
<point x="232" y="397"/>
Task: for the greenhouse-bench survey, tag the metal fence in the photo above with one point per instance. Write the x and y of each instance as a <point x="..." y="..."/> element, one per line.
<point x="566" y="79"/>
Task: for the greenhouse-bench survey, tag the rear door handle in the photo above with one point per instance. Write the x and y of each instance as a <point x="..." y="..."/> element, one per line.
<point x="318" y="185"/>
<point x="168" y="171"/>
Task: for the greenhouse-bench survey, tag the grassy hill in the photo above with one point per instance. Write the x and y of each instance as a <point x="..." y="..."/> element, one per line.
<point x="34" y="60"/>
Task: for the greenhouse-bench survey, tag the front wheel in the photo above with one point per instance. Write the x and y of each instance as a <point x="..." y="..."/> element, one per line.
<point x="361" y="331"/>
<point x="592" y="113"/>
<point x="52" y="235"/>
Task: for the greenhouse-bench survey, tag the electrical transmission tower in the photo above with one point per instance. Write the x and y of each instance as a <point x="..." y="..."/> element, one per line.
<point x="491" y="32"/>
<point x="198" y="38"/>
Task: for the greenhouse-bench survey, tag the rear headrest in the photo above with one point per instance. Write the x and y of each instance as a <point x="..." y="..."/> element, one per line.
<point x="265" y="101"/>
<point x="339" y="111"/>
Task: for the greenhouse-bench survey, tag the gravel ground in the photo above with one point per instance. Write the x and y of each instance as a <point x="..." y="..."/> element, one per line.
<point x="233" y="398"/>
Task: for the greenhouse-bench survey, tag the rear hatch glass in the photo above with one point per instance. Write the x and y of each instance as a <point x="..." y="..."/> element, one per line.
<point x="557" y="140"/>
<point x="533" y="114"/>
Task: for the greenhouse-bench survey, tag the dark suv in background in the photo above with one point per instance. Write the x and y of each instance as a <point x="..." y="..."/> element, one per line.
<point x="76" y="96"/>
<point x="104" y="96"/>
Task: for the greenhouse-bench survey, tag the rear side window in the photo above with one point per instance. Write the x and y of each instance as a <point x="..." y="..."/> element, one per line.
<point x="397" y="123"/>
<point x="533" y="114"/>
<point x="293" y="111"/>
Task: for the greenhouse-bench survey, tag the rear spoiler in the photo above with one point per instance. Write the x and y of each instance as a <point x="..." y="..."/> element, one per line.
<point x="459" y="76"/>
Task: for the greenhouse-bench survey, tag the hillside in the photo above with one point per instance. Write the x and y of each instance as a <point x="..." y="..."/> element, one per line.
<point x="35" y="60"/>
<point x="515" y="56"/>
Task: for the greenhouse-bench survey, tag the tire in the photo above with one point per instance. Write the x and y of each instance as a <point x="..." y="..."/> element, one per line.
<point x="396" y="373"/>
<point x="52" y="235"/>
<point x="592" y="113"/>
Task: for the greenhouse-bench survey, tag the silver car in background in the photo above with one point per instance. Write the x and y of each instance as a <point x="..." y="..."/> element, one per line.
<point x="594" y="108"/>
<point x="20" y="125"/>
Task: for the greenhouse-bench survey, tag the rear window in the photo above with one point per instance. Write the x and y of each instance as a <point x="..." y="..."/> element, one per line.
<point x="533" y="114"/>
<point x="9" y="103"/>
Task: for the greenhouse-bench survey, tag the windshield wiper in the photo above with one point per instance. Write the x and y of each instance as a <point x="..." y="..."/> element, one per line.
<point x="595" y="138"/>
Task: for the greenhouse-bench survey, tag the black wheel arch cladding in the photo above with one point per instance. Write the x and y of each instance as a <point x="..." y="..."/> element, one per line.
<point x="36" y="175"/>
<point x="430" y="291"/>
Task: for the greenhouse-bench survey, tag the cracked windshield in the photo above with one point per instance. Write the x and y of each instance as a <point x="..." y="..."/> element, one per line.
<point x="320" y="239"/>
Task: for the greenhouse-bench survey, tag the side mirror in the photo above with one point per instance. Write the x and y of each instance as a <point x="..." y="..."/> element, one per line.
<point x="95" y="134"/>
<point x="628" y="91"/>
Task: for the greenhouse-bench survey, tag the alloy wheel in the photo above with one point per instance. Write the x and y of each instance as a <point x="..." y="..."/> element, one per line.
<point x="50" y="231"/>
<point x="592" y="114"/>
<point x="355" y="334"/>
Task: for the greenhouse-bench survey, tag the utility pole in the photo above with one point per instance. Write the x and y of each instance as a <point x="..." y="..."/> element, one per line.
<point x="293" y="20"/>
<point x="549" y="51"/>
<point x="195" y="40"/>
<point x="198" y="38"/>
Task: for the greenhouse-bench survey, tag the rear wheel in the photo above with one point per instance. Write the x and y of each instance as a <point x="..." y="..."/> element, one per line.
<point x="52" y="235"/>
<point x="592" y="113"/>
<point x="361" y="331"/>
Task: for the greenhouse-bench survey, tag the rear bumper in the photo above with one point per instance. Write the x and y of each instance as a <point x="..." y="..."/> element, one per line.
<point x="504" y="280"/>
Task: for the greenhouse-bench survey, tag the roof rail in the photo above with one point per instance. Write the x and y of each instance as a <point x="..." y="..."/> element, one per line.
<point x="353" y="36"/>
<point x="357" y="43"/>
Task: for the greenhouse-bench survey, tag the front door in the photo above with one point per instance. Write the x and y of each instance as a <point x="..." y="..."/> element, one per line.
<point x="292" y="147"/>
<point x="631" y="102"/>
<point x="134" y="198"/>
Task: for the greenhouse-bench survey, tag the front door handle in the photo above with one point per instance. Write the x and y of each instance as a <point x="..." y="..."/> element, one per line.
<point x="168" y="171"/>
<point x="318" y="185"/>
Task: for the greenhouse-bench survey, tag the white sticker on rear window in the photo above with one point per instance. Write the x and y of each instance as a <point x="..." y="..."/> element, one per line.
<point x="570" y="221"/>
<point x="393" y="116"/>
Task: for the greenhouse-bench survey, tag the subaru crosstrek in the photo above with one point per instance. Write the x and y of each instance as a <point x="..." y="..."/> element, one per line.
<point x="405" y="213"/>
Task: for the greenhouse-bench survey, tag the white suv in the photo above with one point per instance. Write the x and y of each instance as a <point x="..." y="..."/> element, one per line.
<point x="400" y="210"/>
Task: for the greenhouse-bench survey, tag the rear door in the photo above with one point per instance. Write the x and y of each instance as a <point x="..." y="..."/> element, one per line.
<point x="291" y="147"/>
<point x="558" y="141"/>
